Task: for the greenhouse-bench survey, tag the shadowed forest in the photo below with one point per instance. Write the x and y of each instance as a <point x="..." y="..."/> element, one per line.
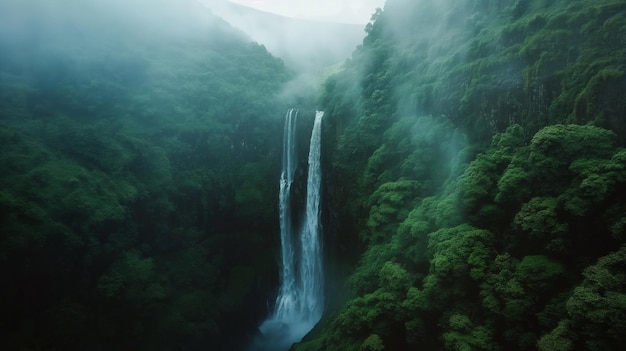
<point x="473" y="164"/>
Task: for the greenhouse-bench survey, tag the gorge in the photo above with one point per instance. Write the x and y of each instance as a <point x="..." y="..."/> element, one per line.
<point x="154" y="196"/>
<point x="300" y="302"/>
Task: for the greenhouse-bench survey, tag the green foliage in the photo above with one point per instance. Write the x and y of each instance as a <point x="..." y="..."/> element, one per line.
<point x="138" y="176"/>
<point x="411" y="239"/>
<point x="465" y="336"/>
<point x="516" y="275"/>
<point x="598" y="180"/>
<point x="366" y="276"/>
<point x="553" y="148"/>
<point x="598" y="305"/>
<point x="387" y="206"/>
<point x="132" y="278"/>
<point x="394" y="278"/>
<point x="504" y="220"/>
<point x="538" y="272"/>
<point x="596" y="310"/>
<point x="478" y="183"/>
<point x="478" y="161"/>
<point x="539" y="218"/>
<point x="483" y="181"/>
<point x="460" y="252"/>
<point x="253" y="189"/>
<point x="377" y="313"/>
<point x="373" y="343"/>
<point x="514" y="185"/>
<point x="371" y="312"/>
<point x="557" y="340"/>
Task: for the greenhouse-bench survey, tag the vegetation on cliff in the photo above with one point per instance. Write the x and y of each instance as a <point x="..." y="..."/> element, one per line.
<point x="477" y="156"/>
<point x="474" y="166"/>
<point x="139" y="163"/>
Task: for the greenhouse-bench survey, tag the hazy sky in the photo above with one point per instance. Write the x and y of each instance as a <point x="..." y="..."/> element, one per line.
<point x="348" y="11"/>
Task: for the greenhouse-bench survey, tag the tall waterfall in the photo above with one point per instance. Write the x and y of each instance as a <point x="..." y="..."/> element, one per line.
<point x="288" y="294"/>
<point x="311" y="273"/>
<point x="300" y="300"/>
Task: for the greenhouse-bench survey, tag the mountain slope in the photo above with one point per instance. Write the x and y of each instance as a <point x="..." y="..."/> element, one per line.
<point x="138" y="187"/>
<point x="475" y="154"/>
<point x="305" y="45"/>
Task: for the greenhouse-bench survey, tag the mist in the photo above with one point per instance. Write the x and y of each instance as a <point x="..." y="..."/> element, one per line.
<point x="142" y="20"/>
<point x="310" y="49"/>
<point x="43" y="33"/>
<point x="141" y="136"/>
<point x="433" y="118"/>
<point x="469" y="166"/>
<point x="305" y="45"/>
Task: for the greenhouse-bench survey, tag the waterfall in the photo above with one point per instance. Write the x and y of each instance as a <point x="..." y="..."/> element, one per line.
<point x="311" y="273"/>
<point x="287" y="295"/>
<point x="300" y="300"/>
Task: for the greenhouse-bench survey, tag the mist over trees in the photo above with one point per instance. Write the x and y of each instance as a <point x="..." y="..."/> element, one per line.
<point x="307" y="46"/>
<point x="477" y="157"/>
<point x="473" y="164"/>
<point x="138" y="170"/>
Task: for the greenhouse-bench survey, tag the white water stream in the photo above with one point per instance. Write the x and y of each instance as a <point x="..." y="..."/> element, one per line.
<point x="300" y="302"/>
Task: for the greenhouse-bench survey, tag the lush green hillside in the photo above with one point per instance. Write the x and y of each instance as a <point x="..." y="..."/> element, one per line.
<point x="476" y="155"/>
<point x="306" y="45"/>
<point x="138" y="185"/>
<point x="474" y="164"/>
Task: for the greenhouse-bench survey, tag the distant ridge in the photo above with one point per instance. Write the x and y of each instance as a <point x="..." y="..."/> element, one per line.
<point x="304" y="44"/>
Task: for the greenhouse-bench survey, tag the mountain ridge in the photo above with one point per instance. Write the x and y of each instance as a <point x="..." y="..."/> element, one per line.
<point x="305" y="45"/>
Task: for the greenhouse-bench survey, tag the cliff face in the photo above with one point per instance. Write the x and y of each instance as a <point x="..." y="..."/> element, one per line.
<point x="475" y="155"/>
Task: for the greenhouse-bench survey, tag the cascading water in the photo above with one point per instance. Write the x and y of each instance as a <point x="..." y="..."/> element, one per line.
<point x="300" y="300"/>
<point x="311" y="273"/>
<point x="287" y="295"/>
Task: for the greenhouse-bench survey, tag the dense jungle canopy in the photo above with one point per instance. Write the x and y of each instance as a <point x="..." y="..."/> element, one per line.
<point x="137" y="186"/>
<point x="474" y="193"/>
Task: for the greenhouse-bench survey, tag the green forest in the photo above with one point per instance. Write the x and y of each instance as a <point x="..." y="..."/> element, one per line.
<point x="474" y="178"/>
<point x="138" y="170"/>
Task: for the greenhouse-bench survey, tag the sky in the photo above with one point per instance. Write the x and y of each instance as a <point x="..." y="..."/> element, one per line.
<point x="346" y="11"/>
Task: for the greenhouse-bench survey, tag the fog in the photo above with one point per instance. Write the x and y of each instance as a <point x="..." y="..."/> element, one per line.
<point x="151" y="18"/>
<point x="305" y="45"/>
<point x="432" y="41"/>
<point x="341" y="11"/>
<point x="75" y="30"/>
<point x="32" y="29"/>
